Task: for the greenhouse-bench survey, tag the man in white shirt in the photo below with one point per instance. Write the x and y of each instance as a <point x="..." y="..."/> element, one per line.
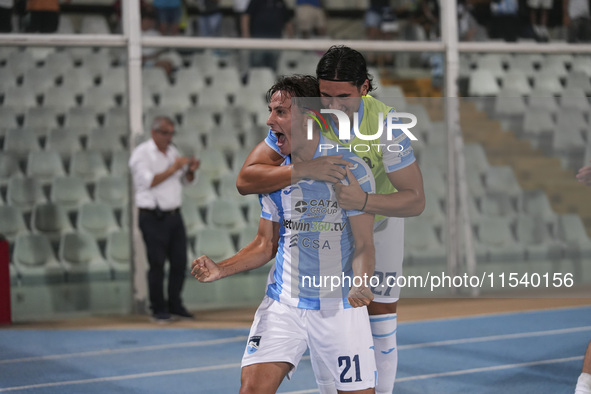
<point x="158" y="172"/>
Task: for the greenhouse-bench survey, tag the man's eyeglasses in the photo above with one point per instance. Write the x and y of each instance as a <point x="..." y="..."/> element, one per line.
<point x="165" y="132"/>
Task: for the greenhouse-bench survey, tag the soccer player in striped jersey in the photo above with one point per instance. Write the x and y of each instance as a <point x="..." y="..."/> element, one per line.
<point x="345" y="84"/>
<point x="317" y="244"/>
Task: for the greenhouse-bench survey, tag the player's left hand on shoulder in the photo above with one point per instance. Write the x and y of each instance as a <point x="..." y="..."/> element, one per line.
<point x="350" y="196"/>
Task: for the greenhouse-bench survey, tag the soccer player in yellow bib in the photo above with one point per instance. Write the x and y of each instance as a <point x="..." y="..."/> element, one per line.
<point x="344" y="85"/>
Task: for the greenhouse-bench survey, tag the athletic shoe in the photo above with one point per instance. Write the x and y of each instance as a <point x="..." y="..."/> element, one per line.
<point x="161" y="318"/>
<point x="182" y="314"/>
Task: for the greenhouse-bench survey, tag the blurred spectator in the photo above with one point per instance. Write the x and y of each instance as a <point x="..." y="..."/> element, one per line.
<point x="577" y="20"/>
<point x="152" y="57"/>
<point x="44" y="15"/>
<point x="266" y="19"/>
<point x="168" y="16"/>
<point x="239" y="8"/>
<point x="310" y="18"/>
<point x="468" y="28"/>
<point x="6" y="15"/>
<point x="381" y="24"/>
<point x="428" y="18"/>
<point x="504" y="21"/>
<point x="210" y="18"/>
<point x="539" y="8"/>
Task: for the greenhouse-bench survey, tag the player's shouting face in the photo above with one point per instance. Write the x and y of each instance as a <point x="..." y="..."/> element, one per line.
<point x="279" y="120"/>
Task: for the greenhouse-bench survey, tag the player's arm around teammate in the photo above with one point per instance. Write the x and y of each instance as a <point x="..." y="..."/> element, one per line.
<point x="262" y="173"/>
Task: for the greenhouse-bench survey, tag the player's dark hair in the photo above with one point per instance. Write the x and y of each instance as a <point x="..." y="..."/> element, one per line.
<point x="297" y="85"/>
<point x="341" y="63"/>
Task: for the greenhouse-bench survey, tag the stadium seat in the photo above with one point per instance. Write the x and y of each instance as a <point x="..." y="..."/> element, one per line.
<point x="8" y="79"/>
<point x="517" y="80"/>
<point x="82" y="259"/>
<point x="482" y="83"/>
<point x="247" y="235"/>
<point x="476" y="157"/>
<point x="578" y="80"/>
<point x="62" y="97"/>
<point x="44" y="166"/>
<point x="200" y="120"/>
<point x="491" y="62"/>
<point x="188" y="142"/>
<point x="94" y="24"/>
<point x="225" y="214"/>
<point x="118" y="253"/>
<point x="100" y="98"/>
<point x="20" y="97"/>
<point x="114" y="80"/>
<point x="201" y="192"/>
<point x="421" y="242"/>
<point x="191" y="218"/>
<point x="538" y="126"/>
<point x="154" y="79"/>
<point x="9" y="117"/>
<point x="574" y="98"/>
<point x="65" y="26"/>
<point x="38" y="79"/>
<point x="496" y="240"/>
<point x="543" y="100"/>
<point x="582" y="63"/>
<point x="106" y="141"/>
<point x="215" y="243"/>
<point x="82" y="118"/>
<point x="213" y="163"/>
<point x="56" y="64"/>
<point x="228" y="190"/>
<point x="97" y="63"/>
<point x="112" y="190"/>
<point x="226" y="79"/>
<point x="120" y="162"/>
<point x="189" y="81"/>
<point x="500" y="181"/>
<point x="63" y="141"/>
<point x="536" y="202"/>
<point x="9" y="168"/>
<point x="51" y="220"/>
<point x="213" y="99"/>
<point x="117" y="119"/>
<point x="474" y="180"/>
<point x="12" y="223"/>
<point x="435" y="184"/>
<point x="546" y="80"/>
<point x="78" y="80"/>
<point x="535" y="235"/>
<point x="70" y="192"/>
<point x="571" y="231"/>
<point x="19" y="62"/>
<point x="253" y="211"/>
<point x="35" y="261"/>
<point x="96" y="219"/>
<point x="88" y="165"/>
<point x="41" y="117"/>
<point x="24" y="193"/>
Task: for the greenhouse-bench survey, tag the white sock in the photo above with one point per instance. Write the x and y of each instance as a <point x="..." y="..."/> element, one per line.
<point x="583" y="384"/>
<point x="383" y="329"/>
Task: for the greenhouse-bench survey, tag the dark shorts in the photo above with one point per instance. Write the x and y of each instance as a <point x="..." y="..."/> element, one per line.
<point x="168" y="15"/>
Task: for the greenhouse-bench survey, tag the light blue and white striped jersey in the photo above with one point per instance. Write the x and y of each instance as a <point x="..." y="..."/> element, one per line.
<point x="316" y="243"/>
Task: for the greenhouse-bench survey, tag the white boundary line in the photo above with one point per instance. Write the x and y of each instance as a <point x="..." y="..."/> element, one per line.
<point x="495" y="338"/>
<point x="122" y="377"/>
<point x="108" y="352"/>
<point x="493" y="368"/>
<point x="491" y="314"/>
<point x="468" y="371"/>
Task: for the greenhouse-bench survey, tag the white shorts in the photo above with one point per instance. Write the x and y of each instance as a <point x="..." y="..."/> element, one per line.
<point x="339" y="340"/>
<point x="546" y="4"/>
<point x="388" y="239"/>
